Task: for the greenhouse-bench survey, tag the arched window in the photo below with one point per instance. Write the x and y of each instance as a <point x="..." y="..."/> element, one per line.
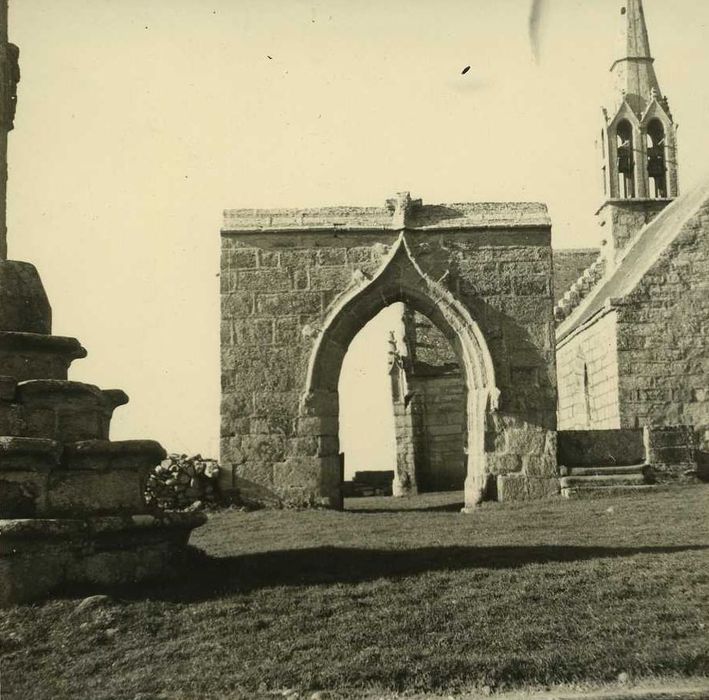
<point x="586" y="395"/>
<point x="625" y="160"/>
<point x="656" y="164"/>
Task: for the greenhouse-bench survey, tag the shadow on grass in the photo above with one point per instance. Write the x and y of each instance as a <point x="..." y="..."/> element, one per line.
<point x="444" y="508"/>
<point x="203" y="577"/>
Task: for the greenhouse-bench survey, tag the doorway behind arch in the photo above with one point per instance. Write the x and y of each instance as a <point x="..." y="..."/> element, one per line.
<point x="402" y="400"/>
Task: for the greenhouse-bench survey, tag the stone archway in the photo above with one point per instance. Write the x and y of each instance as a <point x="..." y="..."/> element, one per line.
<point x="400" y="279"/>
<point x="297" y="285"/>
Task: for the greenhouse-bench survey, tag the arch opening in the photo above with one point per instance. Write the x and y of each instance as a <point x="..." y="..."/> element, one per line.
<point x="656" y="159"/>
<point x="402" y="409"/>
<point x="625" y="160"/>
<point x="400" y="280"/>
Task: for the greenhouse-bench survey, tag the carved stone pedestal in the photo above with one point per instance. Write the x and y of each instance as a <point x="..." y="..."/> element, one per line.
<point x="72" y="506"/>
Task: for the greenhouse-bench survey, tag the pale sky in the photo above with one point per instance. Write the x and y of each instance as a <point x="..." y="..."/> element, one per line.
<point x="138" y="122"/>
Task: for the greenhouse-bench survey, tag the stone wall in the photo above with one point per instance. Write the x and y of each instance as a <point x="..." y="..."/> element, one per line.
<point x="587" y="364"/>
<point x="623" y="219"/>
<point x="292" y="299"/>
<point x="275" y="292"/>
<point x="663" y="335"/>
<point x="593" y="448"/>
<point x="443" y="466"/>
<point x="426" y="344"/>
<point x="430" y="423"/>
<point x="569" y="265"/>
<point x="672" y="451"/>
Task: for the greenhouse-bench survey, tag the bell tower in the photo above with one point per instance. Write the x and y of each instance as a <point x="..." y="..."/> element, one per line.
<point x="638" y="140"/>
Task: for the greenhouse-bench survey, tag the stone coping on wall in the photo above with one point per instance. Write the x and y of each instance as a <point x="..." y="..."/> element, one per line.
<point x="104" y="454"/>
<point x="464" y="216"/>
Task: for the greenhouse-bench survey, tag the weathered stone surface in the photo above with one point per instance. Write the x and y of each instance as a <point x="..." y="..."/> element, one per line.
<point x="28" y="454"/>
<point x="46" y="554"/>
<point x="286" y="275"/>
<point x="66" y="411"/>
<point x="542" y="488"/>
<point x="23" y="494"/>
<point x="578" y="448"/>
<point x="26" y="356"/>
<point x="101" y="455"/>
<point x="80" y="493"/>
<point x="518" y="487"/>
<point x="24" y="306"/>
<point x="7" y="388"/>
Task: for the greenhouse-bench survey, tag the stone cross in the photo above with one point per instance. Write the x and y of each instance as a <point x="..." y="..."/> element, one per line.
<point x="9" y="77"/>
<point x="401" y="207"/>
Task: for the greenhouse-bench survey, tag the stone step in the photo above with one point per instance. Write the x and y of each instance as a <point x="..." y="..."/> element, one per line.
<point x="610" y="480"/>
<point x="588" y="492"/>
<point x="43" y="479"/>
<point x="102" y="455"/>
<point x="57" y="409"/>
<point x="604" y="470"/>
<point x="26" y="356"/>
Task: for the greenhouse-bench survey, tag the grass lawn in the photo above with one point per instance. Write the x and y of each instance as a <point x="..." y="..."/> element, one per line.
<point x="392" y="595"/>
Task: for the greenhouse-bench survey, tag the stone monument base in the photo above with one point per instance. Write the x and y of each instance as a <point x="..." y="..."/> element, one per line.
<point x="72" y="502"/>
<point x="38" y="556"/>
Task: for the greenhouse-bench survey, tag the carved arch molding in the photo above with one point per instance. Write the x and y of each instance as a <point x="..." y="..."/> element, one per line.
<point x="399" y="279"/>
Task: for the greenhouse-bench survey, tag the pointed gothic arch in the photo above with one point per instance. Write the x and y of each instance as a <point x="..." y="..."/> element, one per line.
<point x="399" y="279"/>
<point x="625" y="158"/>
<point x="656" y="159"/>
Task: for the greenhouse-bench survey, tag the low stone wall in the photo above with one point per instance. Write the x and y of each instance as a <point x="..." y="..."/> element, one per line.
<point x="672" y="451"/>
<point x="593" y="448"/>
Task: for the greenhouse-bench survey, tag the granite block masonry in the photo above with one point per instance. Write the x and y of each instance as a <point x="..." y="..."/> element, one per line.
<point x="297" y="286"/>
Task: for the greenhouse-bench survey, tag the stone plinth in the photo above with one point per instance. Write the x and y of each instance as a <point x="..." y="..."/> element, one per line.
<point x="25" y="356"/>
<point x="38" y="556"/>
<point x="72" y="503"/>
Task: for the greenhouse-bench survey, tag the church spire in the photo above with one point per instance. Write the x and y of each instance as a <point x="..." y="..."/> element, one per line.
<point x="633" y="68"/>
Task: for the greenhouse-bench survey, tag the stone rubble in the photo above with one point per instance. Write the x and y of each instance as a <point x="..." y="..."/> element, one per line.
<point x="181" y="482"/>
